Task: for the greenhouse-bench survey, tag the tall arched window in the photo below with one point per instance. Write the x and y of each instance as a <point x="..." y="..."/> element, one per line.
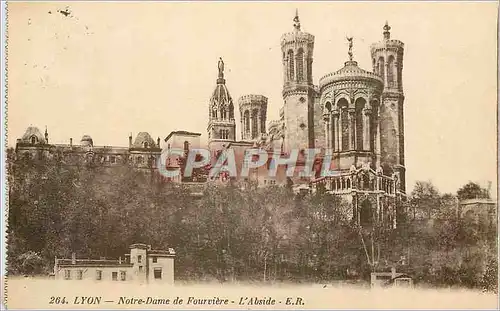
<point x="246" y="120"/>
<point x="223" y="112"/>
<point x="291" y="67"/>
<point x="186" y="146"/>
<point x="255" y="115"/>
<point x="33" y="140"/>
<point x="231" y="111"/>
<point x="263" y="121"/>
<point x="360" y="104"/>
<point x="365" y="213"/>
<point x="344" y="134"/>
<point x="214" y="113"/>
<point x="300" y="65"/>
<point x="381" y="65"/>
<point x="390" y="71"/>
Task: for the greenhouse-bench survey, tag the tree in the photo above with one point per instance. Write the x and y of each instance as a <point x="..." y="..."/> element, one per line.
<point x="424" y="200"/>
<point x="472" y="191"/>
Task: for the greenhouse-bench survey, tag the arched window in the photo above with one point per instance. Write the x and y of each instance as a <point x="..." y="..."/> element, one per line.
<point x="328" y="107"/>
<point x="246" y="121"/>
<point x="214" y="113"/>
<point x="223" y="112"/>
<point x="365" y="213"/>
<point x="231" y="111"/>
<point x="186" y="146"/>
<point x="145" y="145"/>
<point x="255" y="115"/>
<point x="291" y="67"/>
<point x="381" y="65"/>
<point x="300" y="65"/>
<point x="140" y="160"/>
<point x="390" y="71"/>
<point x="360" y="104"/>
<point x="33" y="139"/>
<point x="220" y="134"/>
<point x="263" y="121"/>
<point x="344" y="134"/>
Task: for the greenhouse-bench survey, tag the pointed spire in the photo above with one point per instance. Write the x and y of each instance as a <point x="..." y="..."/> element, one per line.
<point x="296" y="21"/>
<point x="387" y="28"/>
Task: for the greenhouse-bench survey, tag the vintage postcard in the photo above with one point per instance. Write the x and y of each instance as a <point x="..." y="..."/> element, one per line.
<point x="250" y="155"/>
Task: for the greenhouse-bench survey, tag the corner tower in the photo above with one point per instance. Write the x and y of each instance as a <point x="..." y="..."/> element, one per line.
<point x="387" y="60"/>
<point x="298" y="89"/>
<point x="253" y="110"/>
<point x="221" y="124"/>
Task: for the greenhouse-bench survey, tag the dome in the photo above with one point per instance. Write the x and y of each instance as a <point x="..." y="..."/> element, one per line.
<point x="144" y="140"/>
<point x="33" y="136"/>
<point x="86" y="141"/>
<point x="350" y="72"/>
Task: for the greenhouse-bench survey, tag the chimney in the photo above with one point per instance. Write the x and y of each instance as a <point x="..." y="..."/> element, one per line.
<point x="393" y="272"/>
<point x="71" y="142"/>
<point x="73" y="258"/>
<point x="130" y="140"/>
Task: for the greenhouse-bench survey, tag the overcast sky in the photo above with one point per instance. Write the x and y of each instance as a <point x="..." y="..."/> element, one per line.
<point x="108" y="69"/>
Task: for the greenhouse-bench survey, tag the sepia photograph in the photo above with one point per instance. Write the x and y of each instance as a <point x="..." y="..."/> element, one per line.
<point x="250" y="155"/>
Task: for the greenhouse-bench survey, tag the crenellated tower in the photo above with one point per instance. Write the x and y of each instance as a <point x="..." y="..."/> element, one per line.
<point x="387" y="60"/>
<point x="253" y="110"/>
<point x="298" y="89"/>
<point x="221" y="124"/>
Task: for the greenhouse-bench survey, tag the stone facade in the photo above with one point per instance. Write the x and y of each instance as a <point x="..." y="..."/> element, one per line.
<point x="354" y="116"/>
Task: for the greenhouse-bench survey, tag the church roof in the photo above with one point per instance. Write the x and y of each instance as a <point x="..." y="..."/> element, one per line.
<point x="221" y="95"/>
<point x="350" y="71"/>
<point x="142" y="138"/>
<point x="33" y="131"/>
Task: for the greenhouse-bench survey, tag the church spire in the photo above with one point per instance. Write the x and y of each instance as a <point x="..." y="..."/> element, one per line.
<point x="296" y="21"/>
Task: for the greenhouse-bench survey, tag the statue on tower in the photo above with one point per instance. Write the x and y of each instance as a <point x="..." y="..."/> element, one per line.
<point x="349" y="39"/>
<point x="296" y="21"/>
<point x="221" y="67"/>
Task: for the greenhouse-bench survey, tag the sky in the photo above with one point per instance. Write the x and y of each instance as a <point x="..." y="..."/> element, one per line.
<point x="108" y="69"/>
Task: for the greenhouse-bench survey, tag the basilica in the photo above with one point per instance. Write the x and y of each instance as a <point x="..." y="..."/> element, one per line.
<point x="354" y="116"/>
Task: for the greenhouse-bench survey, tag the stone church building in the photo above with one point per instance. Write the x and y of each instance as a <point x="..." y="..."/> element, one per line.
<point x="354" y="116"/>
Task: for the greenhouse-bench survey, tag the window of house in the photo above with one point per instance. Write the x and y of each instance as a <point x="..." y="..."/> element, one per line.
<point x="67" y="274"/>
<point x="139" y="258"/>
<point x="123" y="275"/>
<point x="155" y="259"/>
<point x="157" y="273"/>
<point x="114" y="276"/>
<point x="140" y="159"/>
<point x="112" y="159"/>
<point x="140" y="268"/>
<point x="33" y="140"/>
<point x="98" y="275"/>
<point x="79" y="274"/>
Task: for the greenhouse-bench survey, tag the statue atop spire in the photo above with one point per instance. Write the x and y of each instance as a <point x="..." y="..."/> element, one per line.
<point x="296" y="21"/>
<point x="220" y="78"/>
<point x="387" y="28"/>
<point x="349" y="39"/>
<point x="221" y="68"/>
